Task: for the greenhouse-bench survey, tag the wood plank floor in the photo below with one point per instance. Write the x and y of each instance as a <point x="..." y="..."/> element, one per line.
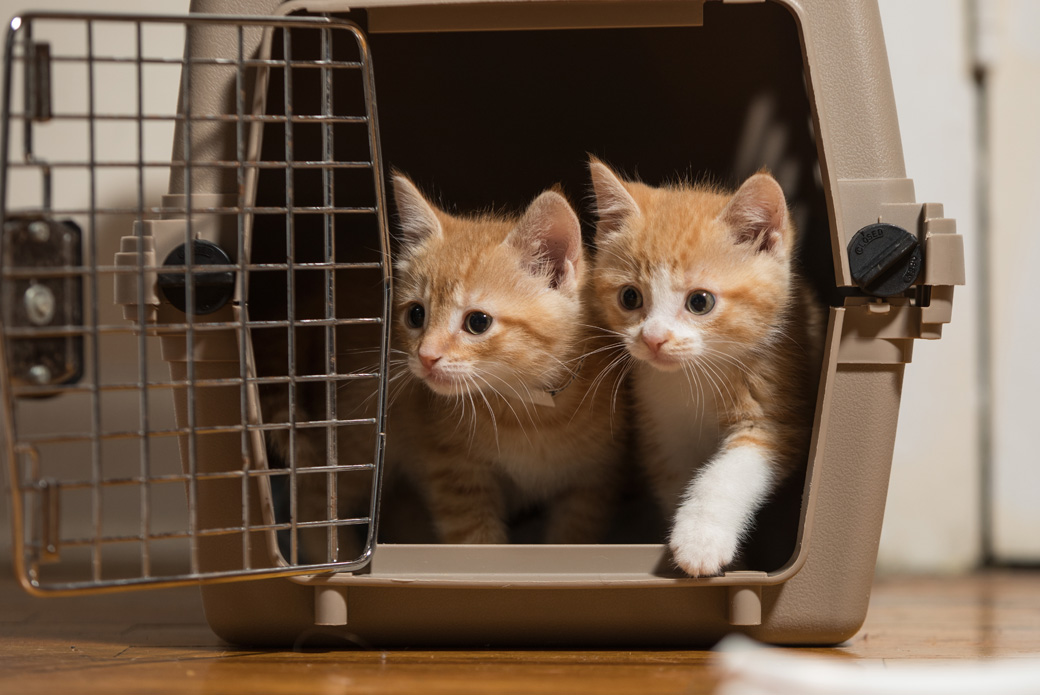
<point x="158" y="642"/>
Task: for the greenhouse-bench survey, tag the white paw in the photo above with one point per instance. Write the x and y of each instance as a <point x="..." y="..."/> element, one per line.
<point x="719" y="508"/>
<point x="700" y="547"/>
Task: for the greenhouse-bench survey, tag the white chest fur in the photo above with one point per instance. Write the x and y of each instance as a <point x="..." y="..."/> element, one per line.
<point x="680" y="420"/>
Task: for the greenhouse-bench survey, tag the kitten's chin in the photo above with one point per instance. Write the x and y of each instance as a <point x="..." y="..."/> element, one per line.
<point x="444" y="386"/>
<point x="661" y="362"/>
<point x="440" y="384"/>
<point x="664" y="363"/>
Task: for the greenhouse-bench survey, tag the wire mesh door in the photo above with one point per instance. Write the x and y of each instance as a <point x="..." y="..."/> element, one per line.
<point x="223" y="416"/>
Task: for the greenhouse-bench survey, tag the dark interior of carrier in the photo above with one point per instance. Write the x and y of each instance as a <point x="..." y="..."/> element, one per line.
<point x="488" y="119"/>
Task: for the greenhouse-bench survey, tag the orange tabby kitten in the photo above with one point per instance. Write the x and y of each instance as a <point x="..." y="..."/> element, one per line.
<point x="698" y="285"/>
<point x="500" y="410"/>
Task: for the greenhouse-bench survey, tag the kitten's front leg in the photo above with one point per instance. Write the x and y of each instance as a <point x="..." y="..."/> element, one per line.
<point x="465" y="500"/>
<point x="719" y="505"/>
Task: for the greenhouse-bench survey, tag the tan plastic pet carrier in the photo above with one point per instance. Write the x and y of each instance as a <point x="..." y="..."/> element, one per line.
<point x="142" y="435"/>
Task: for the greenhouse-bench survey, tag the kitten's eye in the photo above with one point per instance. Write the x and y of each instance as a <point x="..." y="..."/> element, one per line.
<point x="416" y="315"/>
<point x="629" y="298"/>
<point x="476" y="322"/>
<point x="700" y="302"/>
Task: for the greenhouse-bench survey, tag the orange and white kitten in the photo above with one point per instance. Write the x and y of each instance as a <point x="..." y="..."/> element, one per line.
<point x="698" y="285"/>
<point x="500" y="410"/>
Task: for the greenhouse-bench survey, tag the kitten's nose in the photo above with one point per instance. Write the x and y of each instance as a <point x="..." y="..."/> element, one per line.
<point x="428" y="359"/>
<point x="654" y="341"/>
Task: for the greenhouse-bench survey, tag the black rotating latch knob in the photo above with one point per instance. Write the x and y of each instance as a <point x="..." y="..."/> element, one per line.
<point x="210" y="290"/>
<point x="884" y="259"/>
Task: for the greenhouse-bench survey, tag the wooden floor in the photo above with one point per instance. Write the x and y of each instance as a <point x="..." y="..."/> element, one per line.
<point x="158" y="642"/>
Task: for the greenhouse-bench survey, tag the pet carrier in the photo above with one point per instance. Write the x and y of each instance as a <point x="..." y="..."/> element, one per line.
<point x="262" y="281"/>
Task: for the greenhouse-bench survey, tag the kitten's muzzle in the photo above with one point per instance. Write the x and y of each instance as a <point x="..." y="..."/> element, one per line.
<point x="428" y="360"/>
<point x="654" y="342"/>
<point x="655" y="350"/>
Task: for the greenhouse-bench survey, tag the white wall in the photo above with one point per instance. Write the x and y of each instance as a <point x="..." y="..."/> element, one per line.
<point x="1013" y="60"/>
<point x="932" y="519"/>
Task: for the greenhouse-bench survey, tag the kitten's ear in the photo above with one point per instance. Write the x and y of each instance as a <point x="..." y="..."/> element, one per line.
<point x="549" y="235"/>
<point x="757" y="215"/>
<point x="614" y="204"/>
<point x="417" y="217"/>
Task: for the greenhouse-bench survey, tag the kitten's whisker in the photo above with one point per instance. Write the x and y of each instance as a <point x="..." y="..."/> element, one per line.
<point x="391" y="396"/>
<point x="570" y="372"/>
<point x="591" y="389"/>
<point x="739" y="343"/>
<point x="611" y="347"/>
<point x="374" y="369"/>
<point x="702" y="401"/>
<point x="466" y="397"/>
<point x="618" y="381"/>
<point x="532" y="417"/>
<point x="687" y="372"/>
<point x="605" y="348"/>
<point x="716" y="391"/>
<point x="508" y="405"/>
<point x="732" y="383"/>
<point x="393" y="386"/>
<point x="794" y="341"/>
<point x="400" y="375"/>
<point x="619" y="359"/>
<point x="459" y="407"/>
<point x="373" y="348"/>
<point x="594" y="385"/>
<point x="729" y="375"/>
<point x="602" y="329"/>
<point x="473" y="419"/>
<point x="627" y="369"/>
<point x="721" y="383"/>
<point x="491" y="411"/>
<point x="505" y="399"/>
<point x="729" y="359"/>
<point x="728" y="388"/>
<point x="694" y="381"/>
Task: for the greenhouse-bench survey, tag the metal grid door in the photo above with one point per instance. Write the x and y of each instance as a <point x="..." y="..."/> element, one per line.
<point x="223" y="417"/>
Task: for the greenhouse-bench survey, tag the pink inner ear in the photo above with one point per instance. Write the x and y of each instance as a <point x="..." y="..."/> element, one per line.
<point x="550" y="234"/>
<point x="614" y="204"/>
<point x="416" y="217"/>
<point x="757" y="214"/>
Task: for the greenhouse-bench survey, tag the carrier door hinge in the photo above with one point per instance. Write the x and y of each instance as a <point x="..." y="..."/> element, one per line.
<point x="38" y="81"/>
